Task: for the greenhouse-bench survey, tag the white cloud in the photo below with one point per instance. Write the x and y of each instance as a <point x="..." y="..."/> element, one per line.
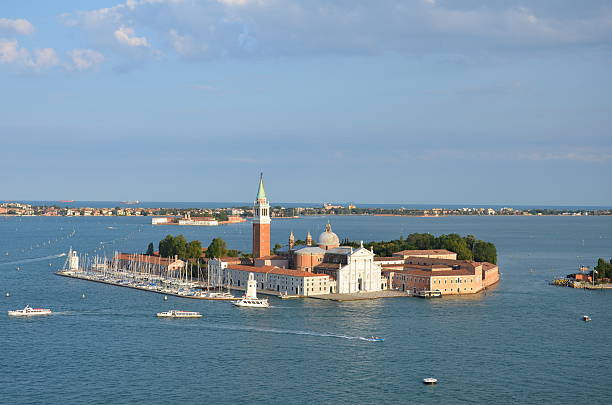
<point x="125" y="35"/>
<point x="238" y="28"/>
<point x="85" y="59"/>
<point x="186" y="45"/>
<point x="18" y="26"/>
<point x="11" y="53"/>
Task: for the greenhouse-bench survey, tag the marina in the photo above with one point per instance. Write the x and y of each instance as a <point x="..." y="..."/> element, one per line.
<point x="137" y="275"/>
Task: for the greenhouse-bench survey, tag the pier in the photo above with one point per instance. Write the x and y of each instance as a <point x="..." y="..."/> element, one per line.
<point x="158" y="290"/>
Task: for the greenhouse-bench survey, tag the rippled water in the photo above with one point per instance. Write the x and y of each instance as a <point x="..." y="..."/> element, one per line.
<point x="522" y="342"/>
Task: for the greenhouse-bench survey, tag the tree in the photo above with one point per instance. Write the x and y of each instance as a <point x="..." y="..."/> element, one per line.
<point x="603" y="269"/>
<point x="484" y="252"/>
<point x="455" y="243"/>
<point x="217" y="248"/>
<point x="166" y="246"/>
<point x="233" y="253"/>
<point x="172" y="246"/>
<point x="193" y="250"/>
<point x="277" y="247"/>
<point x="180" y="246"/>
<point x="150" y="249"/>
<point x="421" y="240"/>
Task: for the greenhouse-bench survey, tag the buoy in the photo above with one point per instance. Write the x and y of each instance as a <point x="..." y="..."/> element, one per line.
<point x="165" y="298"/>
<point x="430" y="381"/>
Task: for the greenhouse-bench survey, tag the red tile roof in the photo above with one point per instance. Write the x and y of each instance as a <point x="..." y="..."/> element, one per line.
<point x="387" y="259"/>
<point x="332" y="266"/>
<point x="424" y="252"/>
<point x="441" y="273"/>
<point x="271" y="257"/>
<point x="274" y="270"/>
<point x="164" y="261"/>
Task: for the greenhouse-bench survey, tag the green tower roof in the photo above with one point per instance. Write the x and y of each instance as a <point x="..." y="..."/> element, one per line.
<point x="261" y="193"/>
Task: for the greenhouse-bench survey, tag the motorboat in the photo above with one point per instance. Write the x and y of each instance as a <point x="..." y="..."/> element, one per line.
<point x="219" y="296"/>
<point x="375" y="339"/>
<point x="29" y="311"/>
<point x="252" y="302"/>
<point x="429" y="294"/>
<point x="179" y="314"/>
<point x="586" y="318"/>
<point x="430" y="381"/>
<point x="250" y="298"/>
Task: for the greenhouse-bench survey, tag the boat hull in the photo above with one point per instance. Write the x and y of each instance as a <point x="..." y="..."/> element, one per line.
<point x="28" y="314"/>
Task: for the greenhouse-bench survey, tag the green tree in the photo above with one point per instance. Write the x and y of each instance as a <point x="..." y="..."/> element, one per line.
<point x="603" y="269"/>
<point x="180" y="246"/>
<point x="421" y="240"/>
<point x="277" y="247"/>
<point x="193" y="250"/>
<point x="217" y="248"/>
<point x="172" y="246"/>
<point x="166" y="246"/>
<point x="484" y="252"/>
<point x="455" y="243"/>
<point x="150" y="249"/>
<point x="233" y="252"/>
<point x="221" y="216"/>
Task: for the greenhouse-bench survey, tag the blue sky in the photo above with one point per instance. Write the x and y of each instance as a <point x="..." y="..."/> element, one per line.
<point x="389" y="101"/>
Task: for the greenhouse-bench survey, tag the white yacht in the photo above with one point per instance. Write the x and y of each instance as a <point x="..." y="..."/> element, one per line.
<point x="250" y="298"/>
<point x="211" y="295"/>
<point x="29" y="311"/>
<point x="179" y="314"/>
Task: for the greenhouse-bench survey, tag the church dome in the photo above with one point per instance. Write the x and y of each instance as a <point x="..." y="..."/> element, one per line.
<point x="328" y="238"/>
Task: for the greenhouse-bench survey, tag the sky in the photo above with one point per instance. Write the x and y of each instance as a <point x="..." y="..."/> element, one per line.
<point x="382" y="101"/>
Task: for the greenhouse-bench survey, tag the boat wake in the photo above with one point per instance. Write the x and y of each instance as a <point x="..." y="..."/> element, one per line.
<point x="36" y="259"/>
<point x="288" y="332"/>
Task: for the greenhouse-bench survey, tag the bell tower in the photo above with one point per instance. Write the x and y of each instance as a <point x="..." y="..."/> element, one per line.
<point x="261" y="223"/>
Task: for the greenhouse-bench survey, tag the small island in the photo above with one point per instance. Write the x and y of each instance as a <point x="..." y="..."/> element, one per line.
<point x="598" y="278"/>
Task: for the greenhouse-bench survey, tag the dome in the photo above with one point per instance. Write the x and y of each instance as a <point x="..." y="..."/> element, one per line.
<point x="328" y="238"/>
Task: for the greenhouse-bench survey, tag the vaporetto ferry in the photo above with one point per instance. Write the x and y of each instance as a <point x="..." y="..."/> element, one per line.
<point x="179" y="314"/>
<point x="29" y="311"/>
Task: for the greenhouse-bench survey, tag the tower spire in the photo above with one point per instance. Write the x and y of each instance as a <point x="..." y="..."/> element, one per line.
<point x="261" y="192"/>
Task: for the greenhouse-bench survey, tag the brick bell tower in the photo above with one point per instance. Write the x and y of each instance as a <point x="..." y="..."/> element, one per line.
<point x="261" y="223"/>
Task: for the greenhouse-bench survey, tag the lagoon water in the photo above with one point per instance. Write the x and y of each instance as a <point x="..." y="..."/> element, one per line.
<point x="522" y="342"/>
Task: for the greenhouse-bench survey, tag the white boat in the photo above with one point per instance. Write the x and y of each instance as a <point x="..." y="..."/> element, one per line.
<point x="29" y="311"/>
<point x="213" y="296"/>
<point x="430" y="381"/>
<point x="250" y="298"/>
<point x="179" y="314"/>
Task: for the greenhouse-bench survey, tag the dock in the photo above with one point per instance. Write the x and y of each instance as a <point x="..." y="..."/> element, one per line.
<point x="360" y="296"/>
<point x="163" y="292"/>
